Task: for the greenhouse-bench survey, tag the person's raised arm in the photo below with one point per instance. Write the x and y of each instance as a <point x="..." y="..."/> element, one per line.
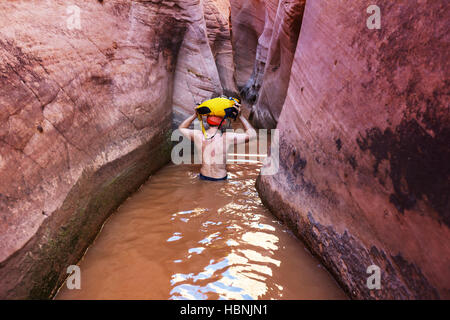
<point x="183" y="127"/>
<point x="250" y="132"/>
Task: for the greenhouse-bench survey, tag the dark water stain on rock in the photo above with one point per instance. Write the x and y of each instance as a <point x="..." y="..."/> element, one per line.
<point x="170" y="32"/>
<point x="419" y="164"/>
<point x="414" y="278"/>
<point x="101" y="80"/>
<point x="338" y="144"/>
<point x="347" y="258"/>
<point x="418" y="149"/>
<point x="293" y="166"/>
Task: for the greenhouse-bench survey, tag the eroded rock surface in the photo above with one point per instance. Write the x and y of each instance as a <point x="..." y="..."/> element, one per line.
<point x="364" y="129"/>
<point x="269" y="99"/>
<point x="364" y="153"/>
<point x="84" y="120"/>
<point x="266" y="86"/>
<point x="205" y="66"/>
<point x="247" y="19"/>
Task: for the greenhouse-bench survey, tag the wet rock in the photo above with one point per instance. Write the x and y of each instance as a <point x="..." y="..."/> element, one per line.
<point x="367" y="115"/>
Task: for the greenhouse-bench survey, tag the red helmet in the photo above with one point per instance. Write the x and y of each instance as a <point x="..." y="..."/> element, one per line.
<point x="213" y="120"/>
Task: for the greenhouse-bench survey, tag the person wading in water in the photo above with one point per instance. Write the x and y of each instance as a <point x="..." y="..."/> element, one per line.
<point x="214" y="143"/>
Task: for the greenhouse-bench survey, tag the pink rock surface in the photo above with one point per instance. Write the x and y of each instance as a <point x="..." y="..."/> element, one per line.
<point x="253" y="84"/>
<point x="205" y="65"/>
<point x="247" y="19"/>
<point x="84" y="119"/>
<point x="264" y="88"/>
<point x="364" y="146"/>
<point x="364" y="127"/>
<point x="272" y="80"/>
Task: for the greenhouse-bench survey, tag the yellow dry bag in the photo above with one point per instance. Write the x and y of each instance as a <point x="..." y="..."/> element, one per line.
<point x="219" y="107"/>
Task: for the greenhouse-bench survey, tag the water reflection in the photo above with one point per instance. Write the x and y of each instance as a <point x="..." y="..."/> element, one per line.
<point x="182" y="238"/>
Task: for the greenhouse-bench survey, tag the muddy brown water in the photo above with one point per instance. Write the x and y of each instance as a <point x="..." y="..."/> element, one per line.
<point x="182" y="238"/>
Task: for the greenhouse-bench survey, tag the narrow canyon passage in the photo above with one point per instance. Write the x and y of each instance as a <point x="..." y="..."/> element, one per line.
<point x="358" y="94"/>
<point x="182" y="238"/>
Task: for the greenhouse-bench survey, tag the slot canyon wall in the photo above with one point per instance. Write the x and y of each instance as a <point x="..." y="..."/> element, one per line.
<point x="86" y="115"/>
<point x="205" y="67"/>
<point x="265" y="32"/>
<point x="364" y="169"/>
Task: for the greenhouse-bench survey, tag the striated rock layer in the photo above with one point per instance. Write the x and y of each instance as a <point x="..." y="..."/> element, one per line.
<point x="205" y="66"/>
<point x="84" y="120"/>
<point x="247" y="19"/>
<point x="364" y="146"/>
<point x="266" y="85"/>
<point x="277" y="65"/>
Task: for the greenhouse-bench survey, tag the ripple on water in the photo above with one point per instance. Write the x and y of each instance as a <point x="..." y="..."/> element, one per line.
<point x="182" y="238"/>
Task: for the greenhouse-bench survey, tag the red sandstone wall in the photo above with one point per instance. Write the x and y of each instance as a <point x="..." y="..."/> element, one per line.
<point x="247" y="20"/>
<point x="275" y="76"/>
<point x="205" y="65"/>
<point x="364" y="146"/>
<point x="264" y="87"/>
<point x="364" y="175"/>
<point x="84" y="117"/>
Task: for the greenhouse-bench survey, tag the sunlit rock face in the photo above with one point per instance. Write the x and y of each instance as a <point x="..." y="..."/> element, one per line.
<point x="84" y="117"/>
<point x="264" y="65"/>
<point x="247" y="19"/>
<point x="205" y="67"/>
<point x="364" y="146"/>
<point x="253" y="83"/>
<point x="272" y="83"/>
